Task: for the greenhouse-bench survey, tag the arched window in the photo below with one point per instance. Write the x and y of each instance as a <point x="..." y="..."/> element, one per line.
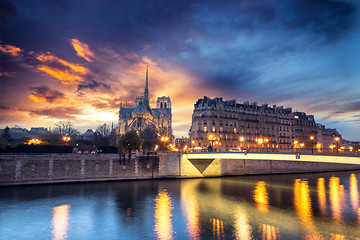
<point x="164" y="104"/>
<point x="161" y="105"/>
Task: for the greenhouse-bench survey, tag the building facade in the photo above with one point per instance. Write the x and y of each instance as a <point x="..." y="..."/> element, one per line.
<point x="143" y="116"/>
<point x="226" y="125"/>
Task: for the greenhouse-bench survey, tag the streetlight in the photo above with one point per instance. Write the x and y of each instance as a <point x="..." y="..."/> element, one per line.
<point x="312" y="144"/>
<point x="337" y="141"/>
<point x="66" y="139"/>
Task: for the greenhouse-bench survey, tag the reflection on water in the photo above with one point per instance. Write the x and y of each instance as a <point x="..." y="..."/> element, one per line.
<point x="298" y="206"/>
<point x="217" y="229"/>
<point x="302" y="202"/>
<point x="269" y="232"/>
<point x="354" y="194"/>
<point x="191" y="209"/>
<point x="241" y="224"/>
<point x="261" y="196"/>
<point x="321" y="195"/>
<point x="163" y="207"/>
<point x="336" y="198"/>
<point x="60" y="222"/>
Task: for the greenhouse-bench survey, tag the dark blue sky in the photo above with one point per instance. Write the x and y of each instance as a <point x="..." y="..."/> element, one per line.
<point x="303" y="54"/>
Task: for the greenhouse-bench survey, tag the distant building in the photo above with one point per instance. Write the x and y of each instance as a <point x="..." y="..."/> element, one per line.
<point x="227" y="125"/>
<point x="88" y="135"/>
<point x="180" y="142"/>
<point x="37" y="131"/>
<point x="143" y="116"/>
<point x="326" y="136"/>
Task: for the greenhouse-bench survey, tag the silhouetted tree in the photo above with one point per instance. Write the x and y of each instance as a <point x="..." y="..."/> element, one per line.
<point x="66" y="128"/>
<point x="150" y="139"/>
<point x="102" y="135"/>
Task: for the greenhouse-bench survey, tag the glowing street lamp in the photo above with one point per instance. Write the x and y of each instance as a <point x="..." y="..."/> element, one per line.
<point x="66" y="139"/>
<point x="312" y="144"/>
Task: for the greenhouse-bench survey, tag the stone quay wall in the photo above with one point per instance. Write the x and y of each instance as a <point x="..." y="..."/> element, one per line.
<point x="19" y="169"/>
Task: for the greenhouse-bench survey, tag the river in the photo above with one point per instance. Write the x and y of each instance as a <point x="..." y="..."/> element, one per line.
<point x="291" y="206"/>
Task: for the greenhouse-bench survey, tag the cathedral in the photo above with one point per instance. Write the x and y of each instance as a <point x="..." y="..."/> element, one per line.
<point x="143" y="116"/>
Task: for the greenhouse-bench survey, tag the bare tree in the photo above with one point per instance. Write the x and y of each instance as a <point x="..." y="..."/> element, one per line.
<point x="103" y="130"/>
<point x="66" y="128"/>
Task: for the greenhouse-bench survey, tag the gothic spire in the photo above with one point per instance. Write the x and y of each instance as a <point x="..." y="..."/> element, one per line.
<point x="146" y="92"/>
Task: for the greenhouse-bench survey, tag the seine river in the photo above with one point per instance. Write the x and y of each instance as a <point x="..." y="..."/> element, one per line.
<point x="297" y="206"/>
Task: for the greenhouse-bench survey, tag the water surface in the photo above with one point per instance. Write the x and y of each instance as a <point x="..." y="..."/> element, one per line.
<point x="294" y="206"/>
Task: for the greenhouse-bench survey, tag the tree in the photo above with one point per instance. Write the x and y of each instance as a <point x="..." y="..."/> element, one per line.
<point x="103" y="130"/>
<point x="150" y="139"/>
<point x="6" y="134"/>
<point x="128" y="142"/>
<point x="102" y="135"/>
<point x="66" y="128"/>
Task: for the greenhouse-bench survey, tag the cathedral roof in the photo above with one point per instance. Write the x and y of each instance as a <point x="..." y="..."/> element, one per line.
<point x="141" y="108"/>
<point x="157" y="112"/>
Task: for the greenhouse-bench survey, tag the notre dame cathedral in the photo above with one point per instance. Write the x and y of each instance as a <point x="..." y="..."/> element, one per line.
<point x="143" y="116"/>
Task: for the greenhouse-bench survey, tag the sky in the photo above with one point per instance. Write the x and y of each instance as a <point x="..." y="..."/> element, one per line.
<point x="77" y="60"/>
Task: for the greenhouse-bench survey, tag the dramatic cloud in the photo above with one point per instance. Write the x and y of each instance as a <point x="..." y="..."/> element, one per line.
<point x="297" y="53"/>
<point x="9" y="49"/>
<point x="44" y="94"/>
<point x="82" y="49"/>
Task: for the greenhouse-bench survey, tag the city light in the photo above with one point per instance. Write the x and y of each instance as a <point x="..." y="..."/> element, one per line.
<point x="242" y="139"/>
<point x="66" y="139"/>
<point x="34" y="141"/>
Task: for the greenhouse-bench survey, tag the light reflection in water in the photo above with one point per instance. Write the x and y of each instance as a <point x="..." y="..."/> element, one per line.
<point x="190" y="205"/>
<point x="60" y="222"/>
<point x="302" y="202"/>
<point x="269" y="232"/>
<point x="321" y="195"/>
<point x="354" y="194"/>
<point x="241" y="225"/>
<point x="163" y="207"/>
<point x="217" y="228"/>
<point x="260" y="196"/>
<point x="336" y="197"/>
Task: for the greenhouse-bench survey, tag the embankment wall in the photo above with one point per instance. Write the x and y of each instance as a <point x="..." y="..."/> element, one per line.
<point x="18" y="169"/>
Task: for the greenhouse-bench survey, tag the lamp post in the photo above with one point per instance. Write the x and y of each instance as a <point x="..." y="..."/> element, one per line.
<point x="312" y="144"/>
<point x="337" y="142"/>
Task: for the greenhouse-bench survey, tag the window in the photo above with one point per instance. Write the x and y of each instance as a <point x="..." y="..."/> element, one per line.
<point x="234" y="130"/>
<point x="221" y="129"/>
<point x="213" y="129"/>
<point x="205" y="129"/>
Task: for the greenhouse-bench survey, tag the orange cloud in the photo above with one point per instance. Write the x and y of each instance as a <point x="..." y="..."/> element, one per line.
<point x="65" y="76"/>
<point x="82" y="49"/>
<point x="9" y="49"/>
<point x="51" y="58"/>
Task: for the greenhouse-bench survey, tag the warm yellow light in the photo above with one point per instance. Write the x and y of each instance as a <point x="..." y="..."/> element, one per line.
<point x="318" y="145"/>
<point x="211" y="137"/>
<point x="185" y="148"/>
<point x="351" y="148"/>
<point x="266" y="140"/>
<point x="162" y="138"/>
<point x="296" y="142"/>
<point x="173" y="148"/>
<point x="302" y="144"/>
<point x="311" y="137"/>
<point x="216" y="142"/>
<point x="259" y="141"/>
<point x="342" y="147"/>
<point x="337" y="139"/>
<point x="163" y="215"/>
<point x="192" y="141"/>
<point x="242" y="139"/>
<point x="260" y="196"/>
<point x="34" y="141"/>
<point x="332" y="146"/>
<point x="66" y="139"/>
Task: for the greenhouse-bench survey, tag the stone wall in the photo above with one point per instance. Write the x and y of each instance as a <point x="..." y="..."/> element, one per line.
<point x="53" y="168"/>
<point x="16" y="169"/>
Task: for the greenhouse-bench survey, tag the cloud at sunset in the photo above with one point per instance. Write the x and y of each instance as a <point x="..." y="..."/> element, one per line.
<point x="82" y="49"/>
<point x="9" y="49"/>
<point x="299" y="54"/>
